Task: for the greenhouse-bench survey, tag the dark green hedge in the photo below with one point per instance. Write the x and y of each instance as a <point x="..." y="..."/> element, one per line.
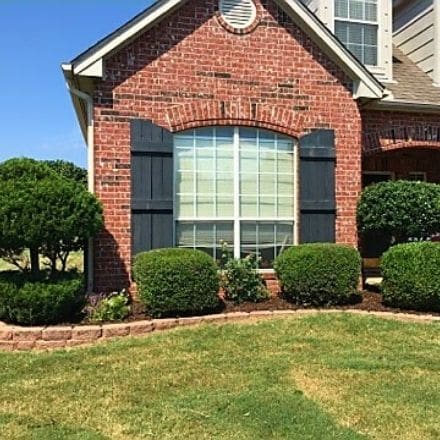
<point x="411" y="276"/>
<point x="319" y="274"/>
<point x="173" y="282"/>
<point x="43" y="302"/>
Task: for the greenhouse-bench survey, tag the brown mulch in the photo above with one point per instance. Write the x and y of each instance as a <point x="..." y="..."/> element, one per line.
<point x="366" y="300"/>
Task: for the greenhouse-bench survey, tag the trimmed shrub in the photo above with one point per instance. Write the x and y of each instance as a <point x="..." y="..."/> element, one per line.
<point x="319" y="274"/>
<point x="400" y="210"/>
<point x="42" y="302"/>
<point x="176" y="282"/>
<point x="411" y="276"/>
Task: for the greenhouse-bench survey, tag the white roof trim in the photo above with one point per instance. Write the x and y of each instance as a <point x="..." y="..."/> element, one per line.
<point x="90" y="63"/>
<point x="151" y="15"/>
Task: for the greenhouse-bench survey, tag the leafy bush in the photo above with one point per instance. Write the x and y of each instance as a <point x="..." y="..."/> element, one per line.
<point x="114" y="307"/>
<point x="240" y="281"/>
<point x="400" y="209"/>
<point x="176" y="281"/>
<point x="45" y="212"/>
<point x="39" y="303"/>
<point x="68" y="170"/>
<point x="319" y="274"/>
<point x="411" y="276"/>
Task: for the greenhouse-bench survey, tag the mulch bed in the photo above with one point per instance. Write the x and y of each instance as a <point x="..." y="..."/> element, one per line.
<point x="367" y="300"/>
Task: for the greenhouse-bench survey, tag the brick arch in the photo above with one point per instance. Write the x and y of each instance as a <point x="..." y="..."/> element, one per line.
<point x="401" y="138"/>
<point x="272" y="117"/>
<point x="404" y="145"/>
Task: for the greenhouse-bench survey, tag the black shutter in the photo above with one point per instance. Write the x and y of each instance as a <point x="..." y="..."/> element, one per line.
<point x="151" y="186"/>
<point x="317" y="187"/>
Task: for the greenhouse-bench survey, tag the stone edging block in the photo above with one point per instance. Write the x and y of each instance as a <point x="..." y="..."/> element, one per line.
<point x="15" y="338"/>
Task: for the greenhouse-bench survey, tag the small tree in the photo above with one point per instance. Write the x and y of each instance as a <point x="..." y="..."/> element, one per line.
<point x="45" y="212"/>
<point x="400" y="209"/>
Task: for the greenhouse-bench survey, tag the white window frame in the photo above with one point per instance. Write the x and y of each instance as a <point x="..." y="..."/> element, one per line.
<point x="237" y="219"/>
<point x="374" y="68"/>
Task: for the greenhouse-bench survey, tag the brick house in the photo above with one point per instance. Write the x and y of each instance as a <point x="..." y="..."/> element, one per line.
<point x="255" y="122"/>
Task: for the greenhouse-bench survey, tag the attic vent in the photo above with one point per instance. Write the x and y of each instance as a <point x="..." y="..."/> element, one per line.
<point x="238" y="14"/>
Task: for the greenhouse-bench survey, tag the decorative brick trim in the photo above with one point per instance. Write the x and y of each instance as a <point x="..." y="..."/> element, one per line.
<point x="13" y="338"/>
<point x="418" y="135"/>
<point x="233" y="30"/>
<point x="241" y="112"/>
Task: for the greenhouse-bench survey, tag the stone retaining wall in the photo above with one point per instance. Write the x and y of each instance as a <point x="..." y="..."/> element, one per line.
<point x="14" y="338"/>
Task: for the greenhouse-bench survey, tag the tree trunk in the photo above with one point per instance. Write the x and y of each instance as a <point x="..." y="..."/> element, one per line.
<point x="35" y="261"/>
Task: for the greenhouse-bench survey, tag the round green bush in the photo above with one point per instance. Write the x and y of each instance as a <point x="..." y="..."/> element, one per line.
<point x="411" y="276"/>
<point x="174" y="282"/>
<point x="42" y="302"/>
<point x="319" y="274"/>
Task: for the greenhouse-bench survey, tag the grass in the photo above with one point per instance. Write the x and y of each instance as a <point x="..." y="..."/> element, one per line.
<point x="318" y="377"/>
<point x="75" y="261"/>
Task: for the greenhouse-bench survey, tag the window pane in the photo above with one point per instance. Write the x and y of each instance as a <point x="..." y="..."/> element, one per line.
<point x="371" y="55"/>
<point x="360" y="40"/>
<point x="185" y="183"/>
<point x="267" y="184"/>
<point x="185" y="159"/>
<point x="184" y="205"/>
<point x="341" y="8"/>
<point x="185" y="234"/>
<point x="285" y="185"/>
<point x="285" y="207"/>
<point x="265" y="240"/>
<point x="249" y="206"/>
<point x="356" y="10"/>
<point x="284" y="237"/>
<point x="205" y="206"/>
<point x="225" y="184"/>
<point x="204" y="185"/>
<point x="267" y="206"/>
<point x="205" y="236"/>
<point x="370" y="35"/>
<point x="225" y="206"/>
<point x="248" y="184"/>
<point x="370" y="12"/>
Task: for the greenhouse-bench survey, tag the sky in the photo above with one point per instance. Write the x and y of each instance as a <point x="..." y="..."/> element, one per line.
<point x="36" y="115"/>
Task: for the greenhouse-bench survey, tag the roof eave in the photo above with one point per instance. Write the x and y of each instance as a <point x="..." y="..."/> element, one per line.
<point x="80" y="109"/>
<point x="403" y="106"/>
<point x="91" y="62"/>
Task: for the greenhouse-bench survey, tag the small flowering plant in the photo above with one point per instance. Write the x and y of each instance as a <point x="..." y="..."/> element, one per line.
<point x="107" y="308"/>
<point x="239" y="278"/>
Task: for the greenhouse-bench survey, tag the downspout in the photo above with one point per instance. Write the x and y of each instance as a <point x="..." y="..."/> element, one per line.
<point x="90" y="170"/>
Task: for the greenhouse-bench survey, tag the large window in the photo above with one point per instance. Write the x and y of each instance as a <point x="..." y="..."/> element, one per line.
<point x="356" y="25"/>
<point x="235" y="185"/>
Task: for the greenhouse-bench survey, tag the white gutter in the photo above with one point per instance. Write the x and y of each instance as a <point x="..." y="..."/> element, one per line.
<point x="403" y="106"/>
<point x="90" y="169"/>
<point x="436" y="73"/>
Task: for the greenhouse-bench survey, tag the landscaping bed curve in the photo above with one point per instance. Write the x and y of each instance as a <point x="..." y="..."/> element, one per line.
<point x="16" y="338"/>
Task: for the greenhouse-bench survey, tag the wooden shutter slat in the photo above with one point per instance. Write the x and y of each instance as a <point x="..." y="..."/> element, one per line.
<point x="152" y="186"/>
<point x="317" y="187"/>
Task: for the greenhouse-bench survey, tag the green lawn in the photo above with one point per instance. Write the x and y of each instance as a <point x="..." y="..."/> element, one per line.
<point x="318" y="377"/>
<point x="75" y="261"/>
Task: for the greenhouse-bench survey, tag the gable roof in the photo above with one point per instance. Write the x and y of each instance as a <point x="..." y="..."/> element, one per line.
<point x="91" y="62"/>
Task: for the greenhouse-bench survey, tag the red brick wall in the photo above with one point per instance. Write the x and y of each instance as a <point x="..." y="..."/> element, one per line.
<point x="389" y="131"/>
<point x="189" y="71"/>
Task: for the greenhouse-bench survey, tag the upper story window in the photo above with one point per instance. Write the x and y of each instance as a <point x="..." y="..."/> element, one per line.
<point x="357" y="26"/>
<point x="235" y="184"/>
